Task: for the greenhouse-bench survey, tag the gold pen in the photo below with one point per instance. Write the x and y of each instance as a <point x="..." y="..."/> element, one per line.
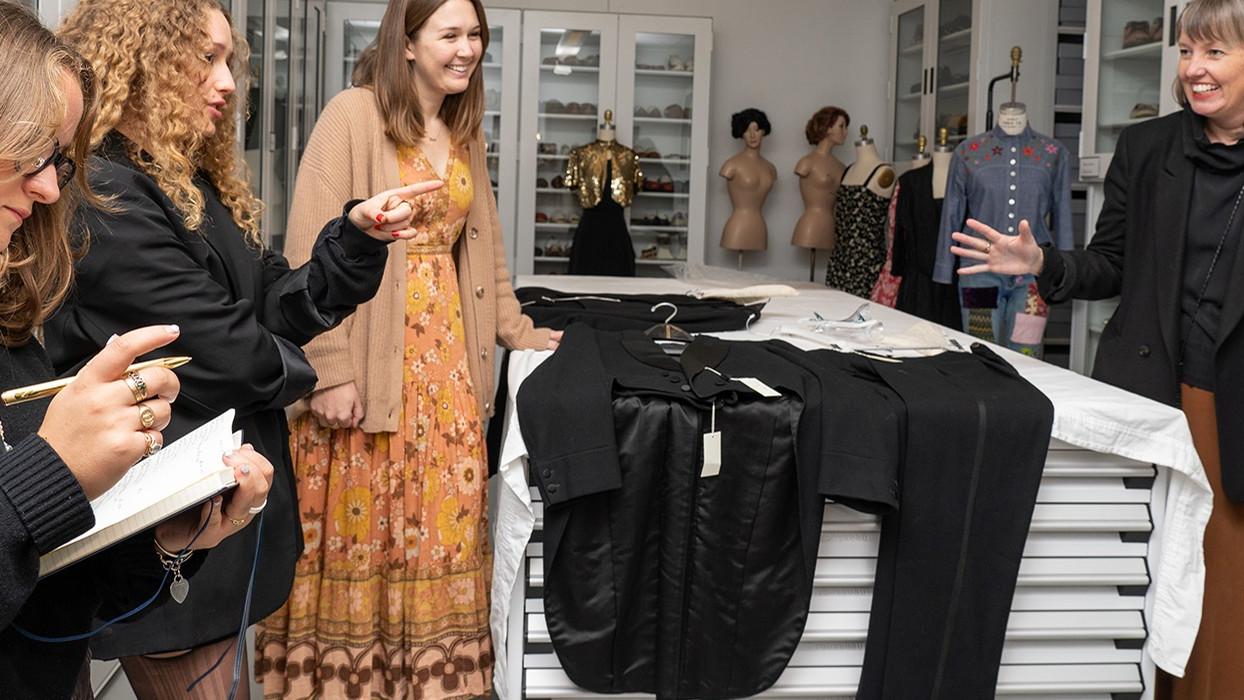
<point x="45" y="389"/>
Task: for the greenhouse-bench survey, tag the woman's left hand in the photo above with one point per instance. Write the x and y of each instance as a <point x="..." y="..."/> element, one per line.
<point x="225" y="515"/>
<point x="555" y="339"/>
<point x="386" y="216"/>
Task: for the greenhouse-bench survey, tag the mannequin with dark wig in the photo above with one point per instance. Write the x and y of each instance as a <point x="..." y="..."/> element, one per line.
<point x="749" y="177"/>
<point x="820" y="173"/>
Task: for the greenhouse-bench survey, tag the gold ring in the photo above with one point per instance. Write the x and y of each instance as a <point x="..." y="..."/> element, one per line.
<point x="137" y="386"/>
<point x="153" y="445"/>
<point x="146" y="416"/>
<point x="237" y="522"/>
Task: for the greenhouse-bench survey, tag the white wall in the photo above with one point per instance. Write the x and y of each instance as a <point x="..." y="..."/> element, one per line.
<point x="789" y="58"/>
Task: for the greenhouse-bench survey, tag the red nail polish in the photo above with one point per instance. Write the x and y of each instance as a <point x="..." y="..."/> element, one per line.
<point x="397" y="234"/>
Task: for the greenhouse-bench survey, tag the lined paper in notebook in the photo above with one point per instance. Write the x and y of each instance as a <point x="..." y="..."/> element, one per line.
<point x="183" y="474"/>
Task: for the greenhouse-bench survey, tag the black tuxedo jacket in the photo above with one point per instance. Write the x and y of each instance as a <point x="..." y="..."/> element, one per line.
<point x="1137" y="253"/>
<point x="243" y="314"/>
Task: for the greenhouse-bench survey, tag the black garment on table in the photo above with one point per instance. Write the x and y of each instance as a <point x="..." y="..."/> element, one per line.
<point x="859" y="253"/>
<point x="243" y="315"/>
<point x="1218" y="175"/>
<point x="39" y="494"/>
<point x="917" y="219"/>
<point x="619" y="312"/>
<point x="977" y="435"/>
<point x="602" y="244"/>
<point x="658" y="580"/>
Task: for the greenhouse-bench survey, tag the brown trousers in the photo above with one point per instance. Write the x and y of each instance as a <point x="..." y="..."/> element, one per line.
<point x="158" y="679"/>
<point x="1214" y="671"/>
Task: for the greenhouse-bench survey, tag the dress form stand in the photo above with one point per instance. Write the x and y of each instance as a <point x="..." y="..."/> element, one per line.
<point x="820" y="174"/>
<point x="921" y="158"/>
<point x="749" y="178"/>
<point x="942" y="154"/>
<point x="605" y="175"/>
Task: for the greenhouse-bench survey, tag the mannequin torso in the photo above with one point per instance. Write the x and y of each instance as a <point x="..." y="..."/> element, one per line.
<point x="749" y="177"/>
<point x="866" y="161"/>
<point x="820" y="174"/>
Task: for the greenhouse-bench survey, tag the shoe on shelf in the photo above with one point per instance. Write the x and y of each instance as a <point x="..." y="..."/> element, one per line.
<point x="678" y="219"/>
<point x="542" y="183"/>
<point x="1143" y="110"/>
<point x="1137" y="33"/>
<point x="542" y="218"/>
<point x="1155" y="31"/>
<point x="564" y="150"/>
<point x="675" y="112"/>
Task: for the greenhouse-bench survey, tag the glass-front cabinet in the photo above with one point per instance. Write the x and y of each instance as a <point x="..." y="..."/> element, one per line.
<point x="651" y="74"/>
<point x="351" y="28"/>
<point x="953" y="69"/>
<point x="1131" y="62"/>
<point x="911" y="80"/>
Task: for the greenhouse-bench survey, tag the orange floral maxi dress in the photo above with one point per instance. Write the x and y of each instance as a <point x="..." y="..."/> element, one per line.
<point x="390" y="599"/>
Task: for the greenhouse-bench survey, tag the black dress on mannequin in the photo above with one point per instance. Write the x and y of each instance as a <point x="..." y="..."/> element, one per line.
<point x="917" y="218"/>
<point x="602" y="242"/>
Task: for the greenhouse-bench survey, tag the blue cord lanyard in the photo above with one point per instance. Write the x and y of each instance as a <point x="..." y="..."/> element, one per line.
<point x="237" y="645"/>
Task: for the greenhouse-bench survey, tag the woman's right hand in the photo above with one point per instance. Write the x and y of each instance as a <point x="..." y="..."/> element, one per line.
<point x="338" y="406"/>
<point x="96" y="424"/>
<point x="386" y="216"/>
<point x="999" y="253"/>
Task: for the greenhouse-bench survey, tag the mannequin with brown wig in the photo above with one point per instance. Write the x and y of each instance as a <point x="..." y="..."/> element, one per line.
<point x="820" y="173"/>
<point x="749" y="177"/>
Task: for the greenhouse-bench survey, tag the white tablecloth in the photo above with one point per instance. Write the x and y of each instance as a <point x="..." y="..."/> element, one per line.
<point x="1087" y="413"/>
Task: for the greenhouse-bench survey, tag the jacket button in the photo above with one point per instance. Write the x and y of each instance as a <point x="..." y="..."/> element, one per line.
<point x="487" y="406"/>
<point x="1143" y="351"/>
<point x="685" y="387"/>
<point x="551" y="488"/>
<point x="547" y="473"/>
<point x="479" y="292"/>
<point x="484" y="353"/>
<point x="474" y="232"/>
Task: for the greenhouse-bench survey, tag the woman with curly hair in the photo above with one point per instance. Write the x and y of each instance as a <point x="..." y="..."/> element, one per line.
<point x="59" y="454"/>
<point x="391" y="597"/>
<point x="180" y="243"/>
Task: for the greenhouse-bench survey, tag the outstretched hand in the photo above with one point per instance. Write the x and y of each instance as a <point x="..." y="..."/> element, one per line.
<point x="386" y="216"/>
<point x="999" y="253"/>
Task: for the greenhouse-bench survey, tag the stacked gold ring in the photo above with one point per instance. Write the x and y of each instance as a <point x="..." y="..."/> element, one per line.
<point x="138" y="387"/>
<point x="146" y="416"/>
<point x="153" y="445"/>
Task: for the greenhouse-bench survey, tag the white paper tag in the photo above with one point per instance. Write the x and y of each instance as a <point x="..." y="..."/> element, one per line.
<point x="759" y="387"/>
<point x="712" y="454"/>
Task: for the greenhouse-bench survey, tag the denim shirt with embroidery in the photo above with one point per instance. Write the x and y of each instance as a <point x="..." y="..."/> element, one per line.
<point x="1001" y="180"/>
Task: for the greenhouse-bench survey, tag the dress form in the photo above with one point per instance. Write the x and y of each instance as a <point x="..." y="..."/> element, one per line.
<point x="820" y="174"/>
<point x="749" y="178"/>
<point x="942" y="154"/>
<point x="866" y="161"/>
<point x="1013" y="118"/>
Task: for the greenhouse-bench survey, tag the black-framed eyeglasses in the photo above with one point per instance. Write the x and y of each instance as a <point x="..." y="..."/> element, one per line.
<point x="65" y="167"/>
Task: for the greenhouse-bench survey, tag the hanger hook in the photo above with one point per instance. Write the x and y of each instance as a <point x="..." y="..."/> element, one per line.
<point x="672" y="313"/>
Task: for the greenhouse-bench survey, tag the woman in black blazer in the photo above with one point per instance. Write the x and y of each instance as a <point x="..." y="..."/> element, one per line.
<point x="1168" y="244"/>
<point x="179" y="243"/>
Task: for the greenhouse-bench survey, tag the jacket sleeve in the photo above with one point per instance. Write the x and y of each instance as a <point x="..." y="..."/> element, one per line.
<point x="41" y="507"/>
<point x="1097" y="271"/>
<point x="954" y="213"/>
<point x="324" y="182"/>
<point x="143" y="268"/>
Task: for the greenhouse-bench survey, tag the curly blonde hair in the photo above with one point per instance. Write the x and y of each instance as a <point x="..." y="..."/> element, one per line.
<point x="37" y="266"/>
<point x="148" y="56"/>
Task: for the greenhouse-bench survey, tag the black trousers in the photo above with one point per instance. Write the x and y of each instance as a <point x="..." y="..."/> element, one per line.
<point x="977" y="436"/>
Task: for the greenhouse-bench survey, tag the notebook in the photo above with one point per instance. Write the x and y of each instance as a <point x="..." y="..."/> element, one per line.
<point x="184" y="474"/>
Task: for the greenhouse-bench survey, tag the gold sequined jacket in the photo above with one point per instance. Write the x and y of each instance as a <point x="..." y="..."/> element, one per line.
<point x="585" y="171"/>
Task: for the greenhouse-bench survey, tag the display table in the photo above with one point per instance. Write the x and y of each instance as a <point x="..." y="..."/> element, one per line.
<point x="1112" y="574"/>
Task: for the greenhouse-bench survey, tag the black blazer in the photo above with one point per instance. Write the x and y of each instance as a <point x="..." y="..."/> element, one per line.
<point x="1138" y="254"/>
<point x="243" y="313"/>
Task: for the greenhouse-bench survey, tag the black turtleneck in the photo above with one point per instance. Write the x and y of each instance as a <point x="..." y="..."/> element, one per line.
<point x="1217" y="181"/>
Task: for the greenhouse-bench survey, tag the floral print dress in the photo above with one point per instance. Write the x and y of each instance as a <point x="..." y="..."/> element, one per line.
<point x="390" y="599"/>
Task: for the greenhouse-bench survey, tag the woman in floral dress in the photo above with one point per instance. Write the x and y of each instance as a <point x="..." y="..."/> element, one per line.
<point x="391" y="598"/>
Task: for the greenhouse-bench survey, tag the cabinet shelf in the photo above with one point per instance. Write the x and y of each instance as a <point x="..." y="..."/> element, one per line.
<point x="659" y="229"/>
<point x="913" y="49"/>
<point x="666" y="161"/>
<point x="955" y="87"/>
<point x="568" y="117"/>
<point x="665" y="195"/>
<point x="563" y="69"/>
<point x="666" y="73"/>
<point x="661" y="120"/>
<point x="552" y="157"/>
<point x="1152" y="50"/>
<point x="963" y="36"/>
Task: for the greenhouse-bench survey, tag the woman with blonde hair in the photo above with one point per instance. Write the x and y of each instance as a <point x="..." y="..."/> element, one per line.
<point x="391" y="597"/>
<point x="180" y="242"/>
<point x="58" y="455"/>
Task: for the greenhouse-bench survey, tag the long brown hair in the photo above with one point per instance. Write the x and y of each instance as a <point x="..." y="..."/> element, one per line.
<point x="383" y="67"/>
<point x="147" y="54"/>
<point x="37" y="267"/>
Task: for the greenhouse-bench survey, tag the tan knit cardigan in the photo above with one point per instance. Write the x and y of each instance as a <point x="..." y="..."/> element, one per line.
<point x="350" y="157"/>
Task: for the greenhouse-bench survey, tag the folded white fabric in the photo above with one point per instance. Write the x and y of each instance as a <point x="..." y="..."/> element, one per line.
<point x="746" y="295"/>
